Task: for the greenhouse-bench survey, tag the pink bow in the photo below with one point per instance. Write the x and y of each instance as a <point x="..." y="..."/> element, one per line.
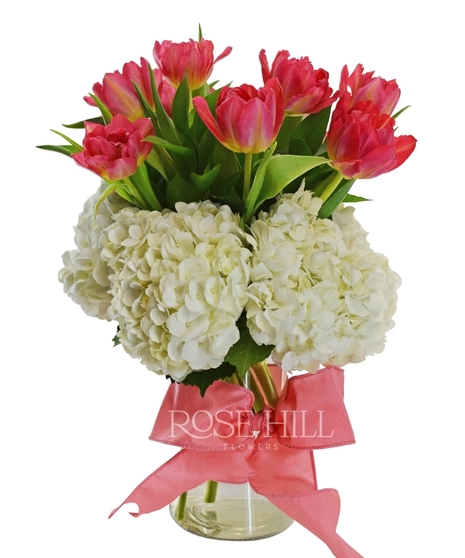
<point x="278" y="463"/>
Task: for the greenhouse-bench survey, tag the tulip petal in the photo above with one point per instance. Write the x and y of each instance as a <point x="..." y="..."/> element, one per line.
<point x="121" y="168"/>
<point x="255" y="127"/>
<point x="203" y="110"/>
<point x="404" y="146"/>
<point x="226" y="52"/>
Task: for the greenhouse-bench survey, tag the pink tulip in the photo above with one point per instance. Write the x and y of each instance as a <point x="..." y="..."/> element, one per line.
<point x="247" y="119"/>
<point x="118" y="94"/>
<point x="361" y="142"/>
<point x="115" y="151"/>
<point x="306" y="91"/>
<point x="194" y="58"/>
<point x="364" y="87"/>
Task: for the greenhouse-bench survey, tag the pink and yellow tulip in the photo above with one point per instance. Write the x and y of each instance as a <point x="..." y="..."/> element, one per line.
<point x="247" y="119"/>
<point x="115" y="151"/>
<point x="306" y="90"/>
<point x="118" y="94"/>
<point x="361" y="142"/>
<point x="194" y="58"/>
<point x="360" y="86"/>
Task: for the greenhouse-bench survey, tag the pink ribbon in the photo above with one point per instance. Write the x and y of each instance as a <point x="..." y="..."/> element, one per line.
<point x="218" y="435"/>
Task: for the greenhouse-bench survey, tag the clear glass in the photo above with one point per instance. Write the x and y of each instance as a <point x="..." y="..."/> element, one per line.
<point x="237" y="514"/>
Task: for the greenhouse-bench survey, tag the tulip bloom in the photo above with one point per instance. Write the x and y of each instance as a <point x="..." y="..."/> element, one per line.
<point x="194" y="58"/>
<point x="306" y="91"/>
<point x="364" y="87"/>
<point x="361" y="143"/>
<point x="115" y="151"/>
<point x="247" y="120"/>
<point x="118" y="94"/>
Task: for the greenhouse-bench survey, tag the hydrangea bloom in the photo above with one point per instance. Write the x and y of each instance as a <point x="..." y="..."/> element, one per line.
<point x="179" y="284"/>
<point x="85" y="275"/>
<point x="318" y="292"/>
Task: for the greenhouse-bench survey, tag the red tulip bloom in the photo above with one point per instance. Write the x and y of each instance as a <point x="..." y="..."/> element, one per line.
<point x="247" y="120"/>
<point x="118" y="94"/>
<point x="364" y="87"/>
<point x="306" y="91"/>
<point x="115" y="151"/>
<point x="194" y="58"/>
<point x="361" y="143"/>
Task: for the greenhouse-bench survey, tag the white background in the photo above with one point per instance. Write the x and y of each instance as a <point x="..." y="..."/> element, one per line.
<point x="76" y="413"/>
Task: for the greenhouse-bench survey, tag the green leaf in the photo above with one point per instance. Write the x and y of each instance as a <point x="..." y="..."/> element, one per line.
<point x="400" y="112"/>
<point x="220" y="155"/>
<point x="354" y="199"/>
<point x="313" y="129"/>
<point x="230" y="198"/>
<point x="141" y="181"/>
<point x="165" y="123"/>
<point x="204" y="378"/>
<point x="181" y="106"/>
<point x="180" y="189"/>
<point x="123" y="193"/>
<point x="148" y="110"/>
<point x="288" y="126"/>
<point x="257" y="185"/>
<point x="71" y="142"/>
<point x="299" y="147"/>
<point x="204" y="181"/>
<point x="63" y="149"/>
<point x="155" y="160"/>
<point x="103" y="109"/>
<point x="186" y="151"/>
<point x="245" y="352"/>
<point x="115" y="339"/>
<point x="80" y="124"/>
<point x="336" y="198"/>
<point x="279" y="172"/>
<point x="316" y="179"/>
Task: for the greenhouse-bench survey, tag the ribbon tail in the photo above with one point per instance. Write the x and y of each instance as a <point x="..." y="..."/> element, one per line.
<point x="318" y="512"/>
<point x="185" y="471"/>
<point x="158" y="489"/>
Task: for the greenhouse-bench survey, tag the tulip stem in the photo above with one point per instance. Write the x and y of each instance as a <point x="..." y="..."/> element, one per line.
<point x="135" y="193"/>
<point x="247" y="175"/>
<point x="266" y="382"/>
<point x="333" y="184"/>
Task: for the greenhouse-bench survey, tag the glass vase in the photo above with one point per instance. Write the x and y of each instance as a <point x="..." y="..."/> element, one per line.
<point x="235" y="512"/>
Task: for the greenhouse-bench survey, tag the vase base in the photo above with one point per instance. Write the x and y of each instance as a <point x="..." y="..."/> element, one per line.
<point x="233" y="519"/>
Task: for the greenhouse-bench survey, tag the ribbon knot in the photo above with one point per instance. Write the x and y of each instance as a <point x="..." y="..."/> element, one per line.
<point x="263" y="421"/>
<point x="217" y="434"/>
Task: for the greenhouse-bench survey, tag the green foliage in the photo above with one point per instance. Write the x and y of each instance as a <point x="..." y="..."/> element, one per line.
<point x="245" y="352"/>
<point x="336" y="198"/>
<point x="204" y="378"/>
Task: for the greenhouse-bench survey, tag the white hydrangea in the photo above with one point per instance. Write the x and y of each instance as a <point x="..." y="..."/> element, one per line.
<point x="179" y="284"/>
<point x="85" y="275"/>
<point x="318" y="293"/>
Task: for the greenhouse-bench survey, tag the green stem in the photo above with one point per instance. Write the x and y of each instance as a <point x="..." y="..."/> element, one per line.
<point x="210" y="492"/>
<point x="135" y="193"/>
<point x="259" y="402"/>
<point x="333" y="184"/>
<point x="247" y="175"/>
<point x="266" y="383"/>
<point x="181" y="506"/>
<point x="141" y="182"/>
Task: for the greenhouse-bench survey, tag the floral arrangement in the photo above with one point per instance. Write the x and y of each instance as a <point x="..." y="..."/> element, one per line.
<point x="222" y="233"/>
<point x="218" y="236"/>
